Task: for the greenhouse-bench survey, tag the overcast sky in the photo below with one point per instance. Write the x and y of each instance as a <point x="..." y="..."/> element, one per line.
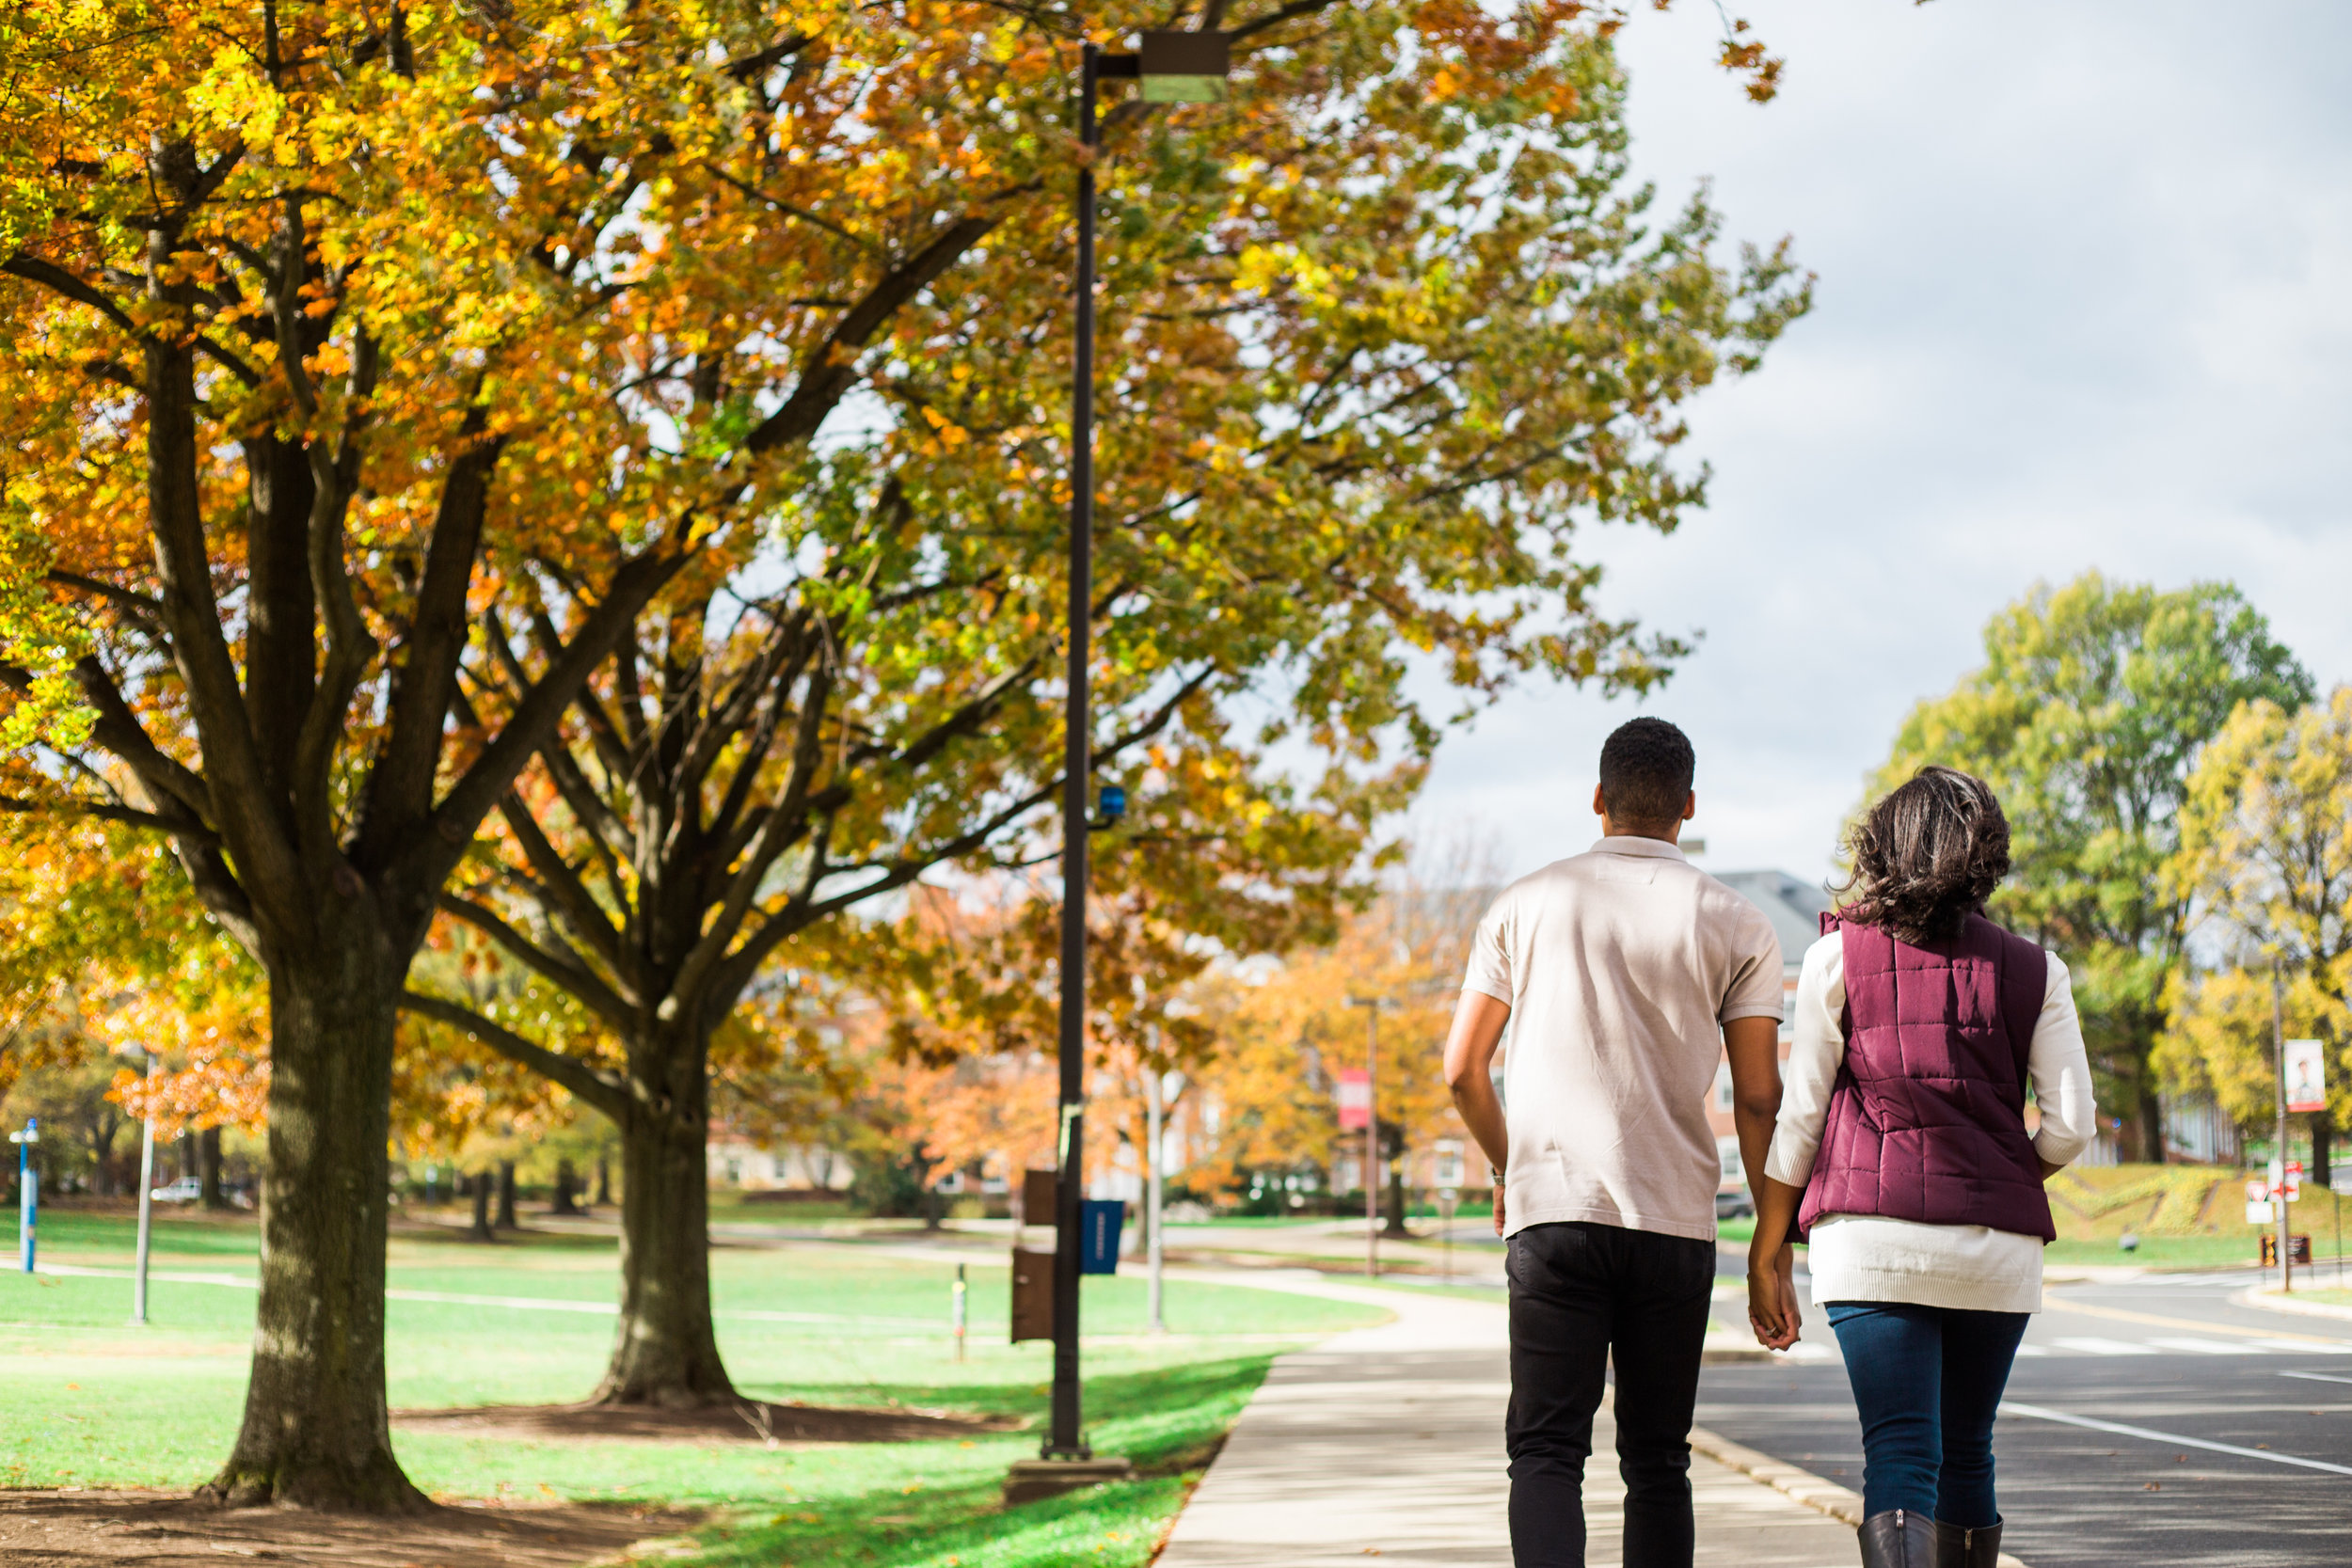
<point x="2085" y="301"/>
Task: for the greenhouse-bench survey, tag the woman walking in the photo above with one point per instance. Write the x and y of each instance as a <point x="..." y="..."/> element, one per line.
<point x="1901" y="1155"/>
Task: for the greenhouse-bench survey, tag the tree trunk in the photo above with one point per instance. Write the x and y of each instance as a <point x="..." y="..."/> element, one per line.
<point x="665" y="1352"/>
<point x="2151" y="1118"/>
<point x="506" y="1195"/>
<point x="315" y="1432"/>
<point x="566" y="1186"/>
<point x="478" y="1185"/>
<point x="2322" y="1137"/>
<point x="604" y="1182"/>
<point x="208" y="1169"/>
<point x="1395" y="1221"/>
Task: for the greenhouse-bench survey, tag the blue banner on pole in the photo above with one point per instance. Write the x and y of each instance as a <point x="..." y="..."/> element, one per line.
<point x="1099" y="1220"/>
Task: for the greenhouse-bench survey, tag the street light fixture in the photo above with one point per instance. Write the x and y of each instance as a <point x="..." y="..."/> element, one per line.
<point x="1171" y="68"/>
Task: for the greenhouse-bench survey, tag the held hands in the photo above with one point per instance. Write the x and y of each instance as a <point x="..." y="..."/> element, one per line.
<point x="1773" y="1299"/>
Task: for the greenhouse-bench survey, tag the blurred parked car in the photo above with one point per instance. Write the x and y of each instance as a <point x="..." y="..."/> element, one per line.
<point x="1732" y="1203"/>
<point x="186" y="1190"/>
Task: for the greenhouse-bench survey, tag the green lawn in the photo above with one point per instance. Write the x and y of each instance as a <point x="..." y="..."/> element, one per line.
<point x="2183" y="1216"/>
<point x="2328" y="1297"/>
<point x="94" y="1402"/>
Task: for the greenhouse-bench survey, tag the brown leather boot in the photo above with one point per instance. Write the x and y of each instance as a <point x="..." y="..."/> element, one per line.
<point x="1899" y="1539"/>
<point x="1956" y="1548"/>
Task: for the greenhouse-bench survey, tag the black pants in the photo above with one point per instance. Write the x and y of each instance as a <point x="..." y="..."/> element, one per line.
<point x="1577" y="1292"/>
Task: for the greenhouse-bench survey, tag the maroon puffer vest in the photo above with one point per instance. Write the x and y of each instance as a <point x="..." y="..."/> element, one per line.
<point x="1926" y="1120"/>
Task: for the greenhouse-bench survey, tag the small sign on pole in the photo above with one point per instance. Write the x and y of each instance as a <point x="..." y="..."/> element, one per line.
<point x="1355" y="1100"/>
<point x="1099" y="1224"/>
<point x="2299" y="1250"/>
<point x="1032" y="1295"/>
<point x="2286" y="1181"/>
<point x="2307" y="1076"/>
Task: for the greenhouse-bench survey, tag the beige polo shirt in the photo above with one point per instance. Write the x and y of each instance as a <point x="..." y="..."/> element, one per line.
<point x="1621" y="965"/>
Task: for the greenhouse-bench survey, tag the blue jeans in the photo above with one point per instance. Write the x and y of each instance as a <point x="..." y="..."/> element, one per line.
<point x="1927" y="1381"/>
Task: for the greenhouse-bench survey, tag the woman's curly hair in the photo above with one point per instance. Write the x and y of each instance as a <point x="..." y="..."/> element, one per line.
<point x="1927" y="856"/>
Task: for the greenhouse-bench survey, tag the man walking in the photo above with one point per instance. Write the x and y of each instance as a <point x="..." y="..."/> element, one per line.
<point x="1625" y="974"/>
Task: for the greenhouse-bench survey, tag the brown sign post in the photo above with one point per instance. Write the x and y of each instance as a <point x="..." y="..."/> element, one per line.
<point x="1036" y="1196"/>
<point x="1032" y="1295"/>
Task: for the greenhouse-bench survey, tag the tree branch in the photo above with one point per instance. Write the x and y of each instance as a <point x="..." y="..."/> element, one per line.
<point x="608" y="1093"/>
<point x="431" y="857"/>
<point x="831" y="368"/>
<point x="560" y="968"/>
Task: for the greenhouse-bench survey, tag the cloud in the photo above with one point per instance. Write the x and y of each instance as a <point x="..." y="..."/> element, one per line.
<point x="2081" y="305"/>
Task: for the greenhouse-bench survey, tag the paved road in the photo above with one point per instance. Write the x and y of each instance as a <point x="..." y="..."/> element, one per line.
<point x="2191" y="1374"/>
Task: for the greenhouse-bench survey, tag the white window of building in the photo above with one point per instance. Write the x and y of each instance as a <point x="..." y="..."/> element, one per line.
<point x="1722" y="1086"/>
<point x="1449" y="1165"/>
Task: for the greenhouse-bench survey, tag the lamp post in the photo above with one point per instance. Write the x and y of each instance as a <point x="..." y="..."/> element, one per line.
<point x="2279" y="1188"/>
<point x="1171" y="68"/>
<point x="1372" y="1004"/>
<point x="147" y="1194"/>
<point x="1154" y="1206"/>
<point x="27" y="1190"/>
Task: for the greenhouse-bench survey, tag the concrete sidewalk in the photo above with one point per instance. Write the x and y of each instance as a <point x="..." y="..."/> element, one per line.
<point x="1387" y="1442"/>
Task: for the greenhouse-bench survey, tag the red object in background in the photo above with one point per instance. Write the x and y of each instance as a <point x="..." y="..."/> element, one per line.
<point x="1355" y="1100"/>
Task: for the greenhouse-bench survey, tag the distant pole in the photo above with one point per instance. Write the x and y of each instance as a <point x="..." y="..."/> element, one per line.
<point x="2279" y="1062"/>
<point x="28" y="1189"/>
<point x="147" y="1194"/>
<point x="960" y="1311"/>
<point x="1445" y="1202"/>
<point x="1153" y="1193"/>
<point x="1372" y="1005"/>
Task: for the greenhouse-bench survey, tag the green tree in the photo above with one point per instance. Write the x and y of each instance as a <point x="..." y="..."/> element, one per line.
<point x="2088" y="717"/>
<point x="2266" y="853"/>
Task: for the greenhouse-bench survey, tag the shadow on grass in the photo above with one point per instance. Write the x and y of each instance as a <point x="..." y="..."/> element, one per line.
<point x="1167" y="1422"/>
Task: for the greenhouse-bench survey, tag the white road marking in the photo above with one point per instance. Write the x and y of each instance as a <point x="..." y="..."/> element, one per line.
<point x="2207" y="1347"/>
<point x="2033" y="1350"/>
<point x="2318" y="1377"/>
<point x="2304" y="1347"/>
<point x="2092" y="1344"/>
<point x="2010" y="1408"/>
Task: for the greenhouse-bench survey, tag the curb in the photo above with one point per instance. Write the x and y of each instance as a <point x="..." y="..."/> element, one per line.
<point x="2270" y="1301"/>
<point x="1840" y="1503"/>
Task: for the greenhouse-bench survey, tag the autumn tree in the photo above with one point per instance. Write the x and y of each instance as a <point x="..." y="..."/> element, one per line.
<point x="2088" y="717"/>
<point x="320" y="331"/>
<point x="2265" y="855"/>
<point x="1379" y="335"/>
<point x="1284" y="1033"/>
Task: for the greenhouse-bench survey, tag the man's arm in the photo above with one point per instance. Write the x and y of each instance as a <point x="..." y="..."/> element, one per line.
<point x="1470" y="1054"/>
<point x="1753" y="1046"/>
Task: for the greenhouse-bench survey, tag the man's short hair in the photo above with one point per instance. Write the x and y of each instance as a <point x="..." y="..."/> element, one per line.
<point x="1645" y="773"/>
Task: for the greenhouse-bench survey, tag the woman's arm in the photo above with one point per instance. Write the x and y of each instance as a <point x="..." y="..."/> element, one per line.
<point x="1772" y="1266"/>
<point x="1816" y="1052"/>
<point x="2060" y="1070"/>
